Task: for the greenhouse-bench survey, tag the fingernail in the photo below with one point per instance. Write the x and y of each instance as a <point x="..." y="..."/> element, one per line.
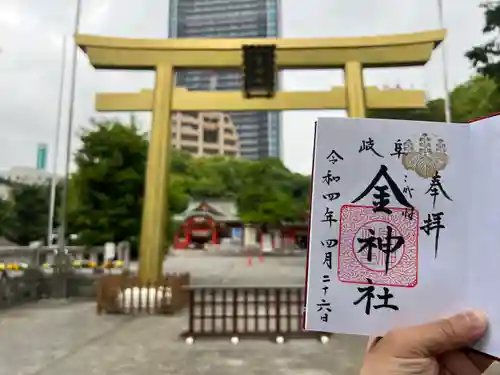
<point x="477" y="321"/>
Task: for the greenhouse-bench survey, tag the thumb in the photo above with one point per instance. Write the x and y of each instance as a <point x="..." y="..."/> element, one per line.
<point x="438" y="337"/>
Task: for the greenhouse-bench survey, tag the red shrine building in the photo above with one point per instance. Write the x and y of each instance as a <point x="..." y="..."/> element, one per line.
<point x="215" y="222"/>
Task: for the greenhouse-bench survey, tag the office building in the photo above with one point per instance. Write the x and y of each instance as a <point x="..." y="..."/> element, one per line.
<point x="259" y="132"/>
<point x="205" y="134"/>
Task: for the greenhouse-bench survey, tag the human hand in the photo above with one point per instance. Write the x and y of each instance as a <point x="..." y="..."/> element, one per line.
<point x="438" y="348"/>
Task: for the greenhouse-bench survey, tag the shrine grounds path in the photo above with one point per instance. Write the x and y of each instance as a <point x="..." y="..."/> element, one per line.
<point x="67" y="337"/>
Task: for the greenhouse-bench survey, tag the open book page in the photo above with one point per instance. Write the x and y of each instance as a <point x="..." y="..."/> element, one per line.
<point x="388" y="235"/>
<point x="484" y="227"/>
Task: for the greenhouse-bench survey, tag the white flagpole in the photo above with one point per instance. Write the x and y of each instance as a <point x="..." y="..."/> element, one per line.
<point x="64" y="202"/>
<point x="55" y="146"/>
<point x="447" y="104"/>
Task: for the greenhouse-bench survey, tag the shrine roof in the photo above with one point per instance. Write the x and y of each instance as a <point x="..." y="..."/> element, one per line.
<point x="219" y="209"/>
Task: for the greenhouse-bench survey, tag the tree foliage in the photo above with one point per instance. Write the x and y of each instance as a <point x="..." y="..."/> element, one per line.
<point x="270" y="193"/>
<point x="265" y="191"/>
<point x="5" y="209"/>
<point x="24" y="218"/>
<point x="108" y="186"/>
<point x="485" y="57"/>
<point x="477" y="97"/>
<point x="434" y="111"/>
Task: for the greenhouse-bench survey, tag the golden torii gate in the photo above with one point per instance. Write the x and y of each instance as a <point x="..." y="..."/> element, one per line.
<point x="164" y="56"/>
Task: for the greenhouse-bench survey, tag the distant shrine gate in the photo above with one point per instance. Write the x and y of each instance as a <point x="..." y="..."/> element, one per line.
<point x="260" y="59"/>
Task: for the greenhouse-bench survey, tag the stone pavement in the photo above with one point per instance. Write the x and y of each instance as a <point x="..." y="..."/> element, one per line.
<point x="68" y="338"/>
<point x="59" y="338"/>
<point x="210" y="270"/>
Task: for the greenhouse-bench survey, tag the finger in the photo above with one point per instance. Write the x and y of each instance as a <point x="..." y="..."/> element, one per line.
<point x="436" y="338"/>
<point x="457" y="362"/>
<point x="372" y="341"/>
<point x="480" y="360"/>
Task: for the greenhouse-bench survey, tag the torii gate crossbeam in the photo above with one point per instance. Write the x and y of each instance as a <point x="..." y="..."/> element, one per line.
<point x="184" y="100"/>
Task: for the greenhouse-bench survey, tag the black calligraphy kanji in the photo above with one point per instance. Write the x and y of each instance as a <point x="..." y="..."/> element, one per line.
<point x="324" y="317"/>
<point x="328" y="217"/>
<point x="398" y="149"/>
<point x="407" y="189"/>
<point x="323" y="305"/>
<point x="325" y="290"/>
<point x="331" y="196"/>
<point x="369" y="294"/>
<point x="328" y="178"/>
<point x="385" y="245"/>
<point x="368" y="145"/>
<point x="333" y="157"/>
<point x="327" y="260"/>
<point x="382" y="196"/>
<point x="409" y="213"/>
<point x="330" y="243"/>
<point x="434" y="223"/>
<point x="326" y="279"/>
<point x="436" y="188"/>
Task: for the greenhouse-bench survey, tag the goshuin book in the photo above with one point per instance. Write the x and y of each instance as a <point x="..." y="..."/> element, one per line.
<point x="405" y="225"/>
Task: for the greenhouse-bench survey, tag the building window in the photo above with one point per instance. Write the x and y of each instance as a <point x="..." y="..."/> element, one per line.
<point x="211" y="120"/>
<point x="210" y="136"/>
<point x="188" y="137"/>
<point x="188" y="125"/>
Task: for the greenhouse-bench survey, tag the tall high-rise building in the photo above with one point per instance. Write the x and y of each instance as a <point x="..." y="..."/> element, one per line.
<point x="259" y="132"/>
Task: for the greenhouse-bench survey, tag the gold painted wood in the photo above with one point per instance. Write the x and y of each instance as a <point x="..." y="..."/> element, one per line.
<point x="376" y="51"/>
<point x="353" y="77"/>
<point x="184" y="100"/>
<point x="436" y="36"/>
<point x="152" y="242"/>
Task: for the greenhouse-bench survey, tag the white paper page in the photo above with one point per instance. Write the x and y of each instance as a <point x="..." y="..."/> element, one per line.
<point x="421" y="285"/>
<point x="484" y="226"/>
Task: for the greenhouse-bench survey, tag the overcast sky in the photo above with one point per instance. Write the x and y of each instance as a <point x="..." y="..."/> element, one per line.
<point x="31" y="34"/>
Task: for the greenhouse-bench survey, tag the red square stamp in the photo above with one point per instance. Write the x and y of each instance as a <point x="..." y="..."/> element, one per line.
<point x="377" y="246"/>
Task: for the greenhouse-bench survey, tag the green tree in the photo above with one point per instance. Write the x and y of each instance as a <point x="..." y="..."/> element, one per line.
<point x="434" y="111"/>
<point x="214" y="177"/>
<point x="25" y="217"/>
<point x="271" y="194"/>
<point x="5" y="212"/>
<point x="5" y="207"/>
<point x="265" y="191"/>
<point x="108" y="186"/>
<point x="178" y="201"/>
<point x="475" y="98"/>
<point x="484" y="57"/>
<point x="106" y="192"/>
